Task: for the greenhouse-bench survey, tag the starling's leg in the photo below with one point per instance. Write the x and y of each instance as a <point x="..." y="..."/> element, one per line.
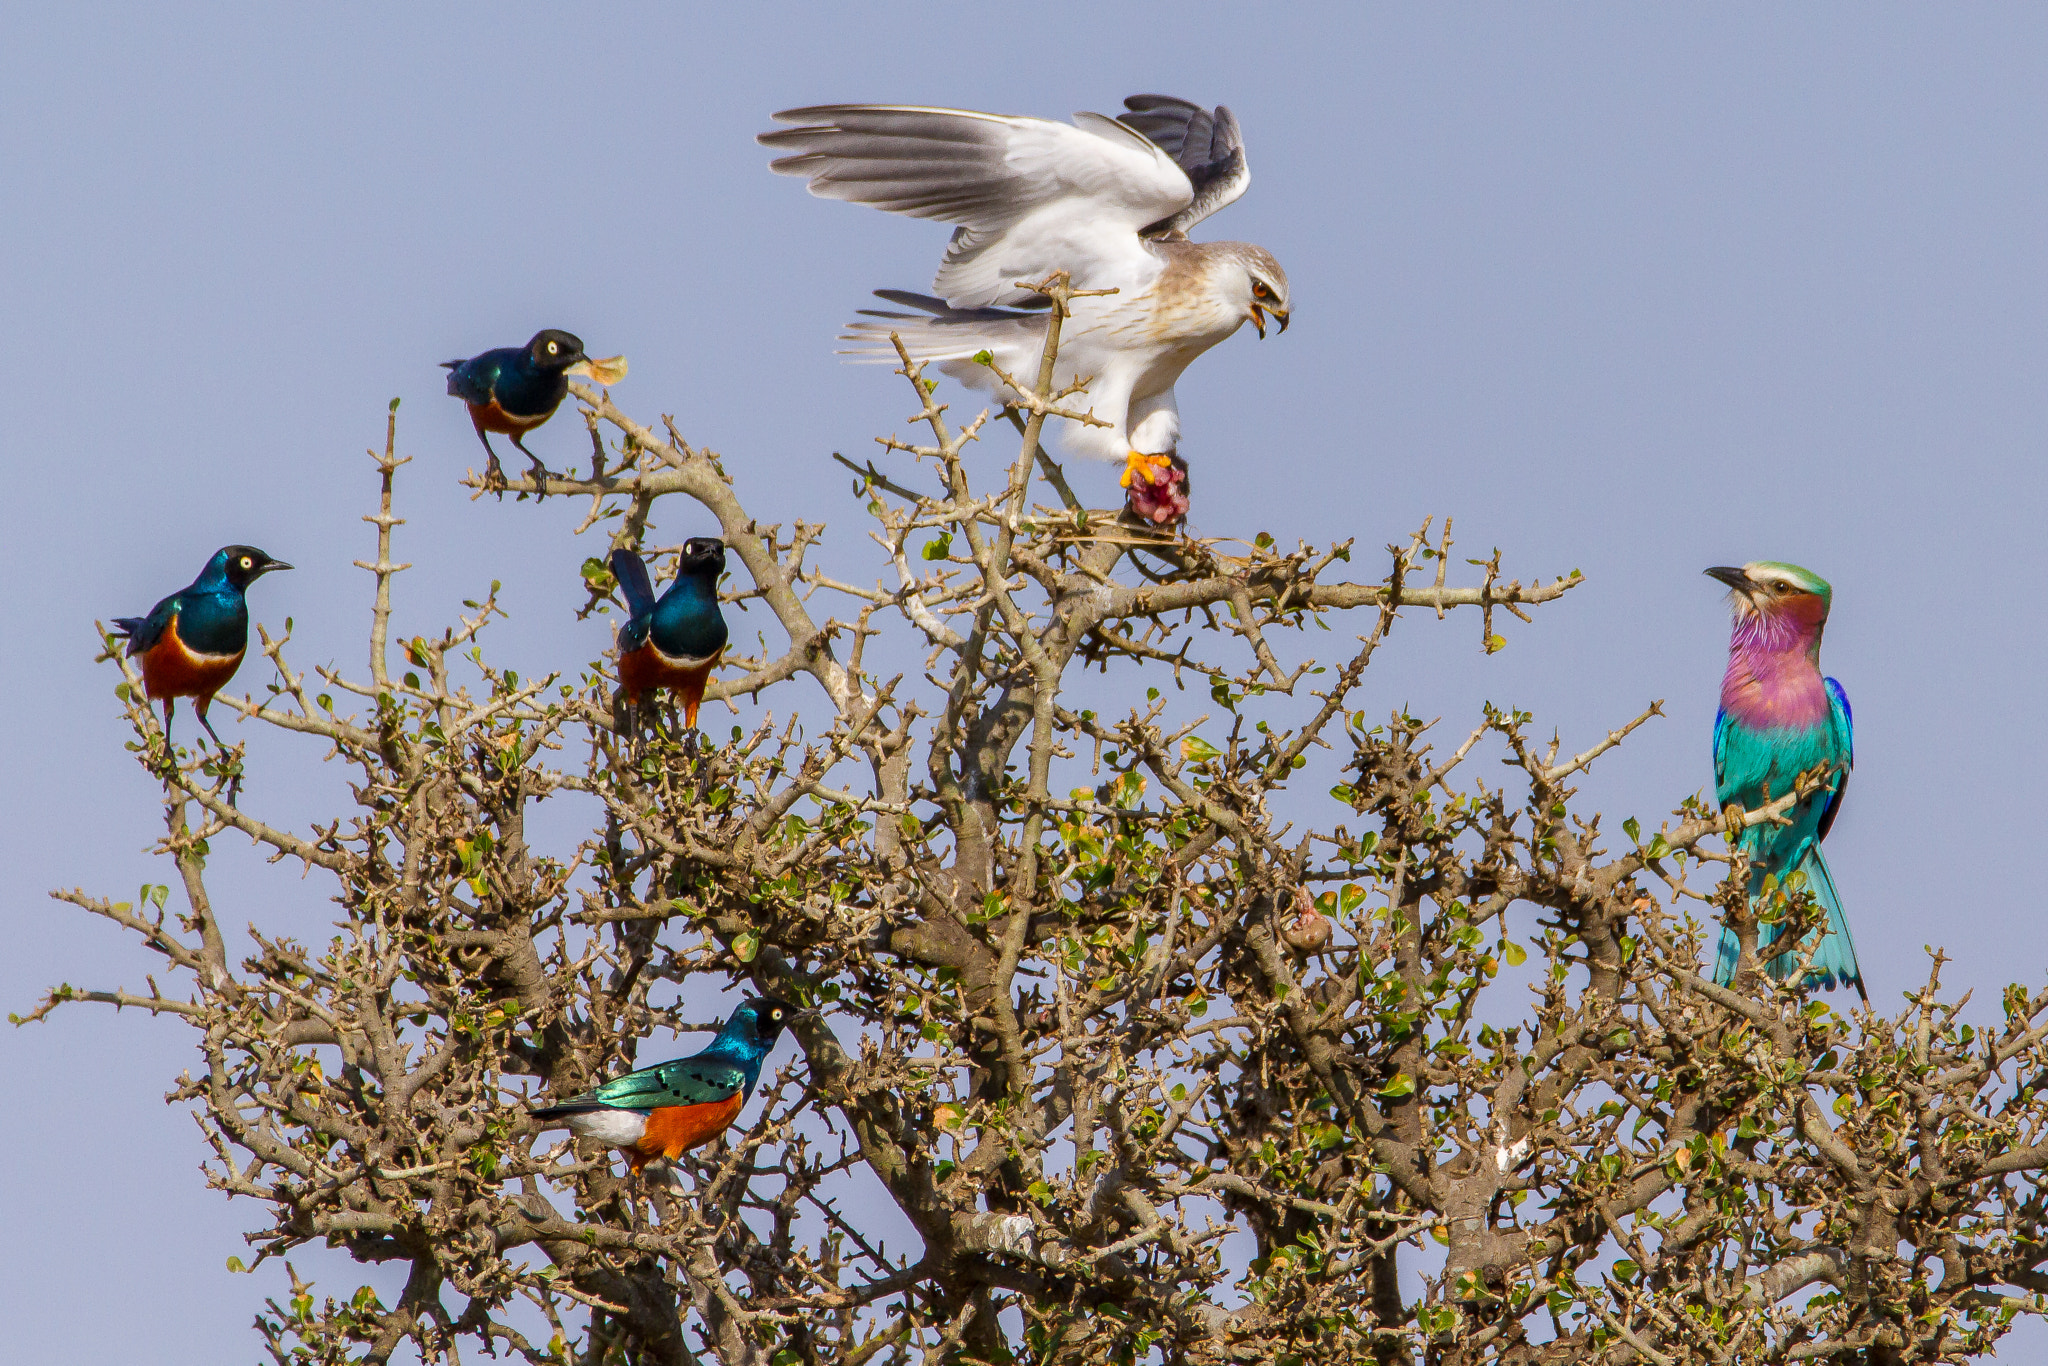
<point x="494" y="473"/>
<point x="234" y="779"/>
<point x="200" y="705"/>
<point x="539" y="470"/>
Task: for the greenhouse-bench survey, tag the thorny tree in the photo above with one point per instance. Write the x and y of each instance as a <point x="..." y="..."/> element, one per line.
<point x="1088" y="1008"/>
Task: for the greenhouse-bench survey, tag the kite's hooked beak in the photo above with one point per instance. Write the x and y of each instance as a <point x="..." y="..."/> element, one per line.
<point x="1259" y="319"/>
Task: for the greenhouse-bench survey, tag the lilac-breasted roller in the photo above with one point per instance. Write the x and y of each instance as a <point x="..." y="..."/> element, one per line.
<point x="1780" y="718"/>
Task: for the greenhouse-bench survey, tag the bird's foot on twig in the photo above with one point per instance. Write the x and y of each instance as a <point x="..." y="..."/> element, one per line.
<point x="540" y="476"/>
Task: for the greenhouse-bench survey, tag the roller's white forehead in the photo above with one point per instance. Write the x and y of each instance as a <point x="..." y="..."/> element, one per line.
<point x="1784" y="575"/>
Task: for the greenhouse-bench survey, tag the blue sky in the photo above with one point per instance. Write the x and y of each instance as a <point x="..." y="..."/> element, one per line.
<point x="1628" y="289"/>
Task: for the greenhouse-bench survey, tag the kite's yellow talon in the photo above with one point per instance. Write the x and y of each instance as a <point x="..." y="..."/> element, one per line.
<point x="1140" y="466"/>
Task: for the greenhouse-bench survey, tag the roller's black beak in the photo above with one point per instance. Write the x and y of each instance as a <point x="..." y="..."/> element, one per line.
<point x="1732" y="575"/>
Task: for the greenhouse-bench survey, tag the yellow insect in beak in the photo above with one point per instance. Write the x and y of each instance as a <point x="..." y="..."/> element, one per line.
<point x="608" y="371"/>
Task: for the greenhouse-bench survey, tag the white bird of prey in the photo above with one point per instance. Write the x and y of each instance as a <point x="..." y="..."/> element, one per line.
<point x="1108" y="200"/>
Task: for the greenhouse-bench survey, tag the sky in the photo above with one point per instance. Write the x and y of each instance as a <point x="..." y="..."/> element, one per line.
<point x="1626" y="289"/>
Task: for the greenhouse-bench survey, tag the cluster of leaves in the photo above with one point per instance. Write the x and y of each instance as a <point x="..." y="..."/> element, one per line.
<point x="1112" y="1064"/>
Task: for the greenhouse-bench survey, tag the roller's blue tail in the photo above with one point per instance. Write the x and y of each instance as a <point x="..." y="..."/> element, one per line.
<point x="1834" y="965"/>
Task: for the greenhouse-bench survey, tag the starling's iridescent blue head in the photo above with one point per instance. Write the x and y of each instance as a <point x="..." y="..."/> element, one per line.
<point x="752" y="1029"/>
<point x="701" y="556"/>
<point x="241" y="565"/>
<point x="554" y="349"/>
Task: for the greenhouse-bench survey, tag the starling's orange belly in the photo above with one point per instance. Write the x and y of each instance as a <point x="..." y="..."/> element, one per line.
<point x="489" y="417"/>
<point x="171" y="669"/>
<point x="647" y="668"/>
<point x="675" y="1129"/>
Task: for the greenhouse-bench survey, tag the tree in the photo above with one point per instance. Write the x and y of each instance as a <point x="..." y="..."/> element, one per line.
<point x="1150" y="1074"/>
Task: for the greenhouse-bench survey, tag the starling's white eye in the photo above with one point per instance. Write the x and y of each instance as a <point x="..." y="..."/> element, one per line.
<point x="248" y="563"/>
<point x="552" y="348"/>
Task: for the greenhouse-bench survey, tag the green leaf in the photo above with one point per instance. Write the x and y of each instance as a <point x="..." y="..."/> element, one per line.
<point x="984" y="357"/>
<point x="1196" y="750"/>
<point x="745" y="945"/>
<point x="938" y="547"/>
<point x="1401" y="1085"/>
<point x="1514" y="953"/>
<point x="1633" y="829"/>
